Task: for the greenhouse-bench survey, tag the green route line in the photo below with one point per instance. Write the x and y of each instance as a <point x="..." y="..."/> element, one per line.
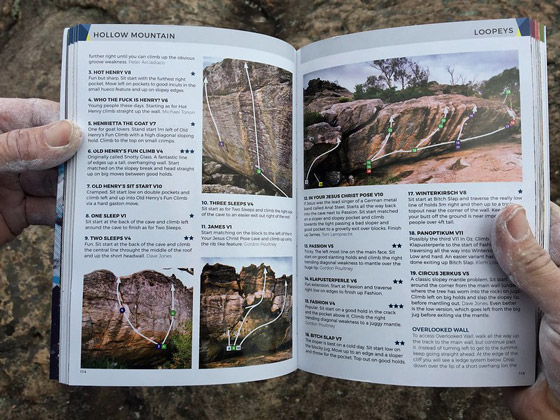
<point x="172" y="314"/>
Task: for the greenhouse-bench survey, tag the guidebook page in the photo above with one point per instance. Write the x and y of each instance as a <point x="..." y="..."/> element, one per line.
<point x="409" y="151"/>
<point x="182" y="259"/>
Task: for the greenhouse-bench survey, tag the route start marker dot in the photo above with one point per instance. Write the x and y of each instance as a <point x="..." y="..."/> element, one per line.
<point x="471" y="115"/>
<point x="172" y="312"/>
<point x="507" y="125"/>
<point x="508" y="91"/>
<point x="414" y="150"/>
<point x="221" y="144"/>
<point x="164" y="346"/>
<point x="259" y="171"/>
<point x="443" y="120"/>
<point x="320" y="183"/>
<point x="512" y="122"/>
<point x="440" y="125"/>
<point x="158" y="346"/>
<point x="122" y="310"/>
<point x="389" y="130"/>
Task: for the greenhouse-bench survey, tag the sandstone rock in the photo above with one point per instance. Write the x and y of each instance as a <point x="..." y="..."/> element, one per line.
<point x="146" y="298"/>
<point x="321" y="94"/>
<point x="351" y="115"/>
<point x="225" y="297"/>
<point x="415" y="122"/>
<point x="231" y="105"/>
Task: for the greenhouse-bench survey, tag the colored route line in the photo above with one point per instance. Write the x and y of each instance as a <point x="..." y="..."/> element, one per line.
<point x="172" y="313"/>
<point x="508" y="92"/>
<point x="254" y="114"/>
<point x="258" y="166"/>
<point x="236" y="347"/>
<point x="338" y="141"/>
<point x="221" y="143"/>
<point x="390" y="131"/>
<point x="420" y="145"/>
<point x="457" y="141"/>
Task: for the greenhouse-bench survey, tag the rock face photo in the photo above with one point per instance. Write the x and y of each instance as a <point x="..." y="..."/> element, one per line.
<point x="245" y="317"/>
<point x="247" y="133"/>
<point x="143" y="320"/>
<point x="403" y="125"/>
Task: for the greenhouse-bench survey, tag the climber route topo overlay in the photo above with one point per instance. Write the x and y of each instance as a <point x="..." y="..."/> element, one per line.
<point x="172" y="313"/>
<point x="238" y="347"/>
<point x="421" y="145"/>
<point x="261" y="167"/>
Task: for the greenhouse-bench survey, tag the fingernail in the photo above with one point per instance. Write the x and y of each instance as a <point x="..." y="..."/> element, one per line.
<point x="60" y="134"/>
<point x="517" y="224"/>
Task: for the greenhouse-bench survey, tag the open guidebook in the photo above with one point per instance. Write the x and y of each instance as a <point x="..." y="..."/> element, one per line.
<point x="241" y="209"/>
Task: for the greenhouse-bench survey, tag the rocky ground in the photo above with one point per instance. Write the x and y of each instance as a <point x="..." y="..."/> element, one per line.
<point x="30" y="34"/>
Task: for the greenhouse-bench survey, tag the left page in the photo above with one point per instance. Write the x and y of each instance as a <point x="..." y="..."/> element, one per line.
<point x="178" y="235"/>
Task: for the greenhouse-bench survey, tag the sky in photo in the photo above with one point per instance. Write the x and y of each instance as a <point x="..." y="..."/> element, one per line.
<point x="280" y="265"/>
<point x="477" y="66"/>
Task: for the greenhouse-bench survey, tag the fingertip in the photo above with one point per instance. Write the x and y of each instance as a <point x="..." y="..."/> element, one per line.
<point x="63" y="133"/>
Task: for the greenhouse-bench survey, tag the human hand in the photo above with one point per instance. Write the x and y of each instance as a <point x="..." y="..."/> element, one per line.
<point x="534" y="271"/>
<point x="28" y="161"/>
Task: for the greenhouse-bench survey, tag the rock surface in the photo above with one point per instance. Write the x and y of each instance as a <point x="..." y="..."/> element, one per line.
<point x="362" y="127"/>
<point x="231" y="105"/>
<point x="146" y="299"/>
<point x="225" y="300"/>
<point x="30" y="52"/>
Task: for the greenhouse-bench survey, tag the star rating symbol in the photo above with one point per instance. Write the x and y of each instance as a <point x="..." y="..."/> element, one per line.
<point x="192" y="73"/>
<point x="390" y="305"/>
<point x="399" y="343"/>
<point x="192" y="124"/>
<point x="401" y="306"/>
<point x="520" y="191"/>
<point x="187" y="151"/>
<point x="192" y="150"/>
<point x="189" y="238"/>
<point x="397" y="246"/>
<point x="191" y="215"/>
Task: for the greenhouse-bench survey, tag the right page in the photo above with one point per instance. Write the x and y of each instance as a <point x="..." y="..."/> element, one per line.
<point x="410" y="141"/>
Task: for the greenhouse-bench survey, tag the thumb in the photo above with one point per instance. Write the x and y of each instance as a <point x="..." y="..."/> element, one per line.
<point x="39" y="147"/>
<point x="526" y="263"/>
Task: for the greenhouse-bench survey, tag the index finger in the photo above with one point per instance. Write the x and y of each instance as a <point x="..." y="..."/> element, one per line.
<point x="18" y="113"/>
